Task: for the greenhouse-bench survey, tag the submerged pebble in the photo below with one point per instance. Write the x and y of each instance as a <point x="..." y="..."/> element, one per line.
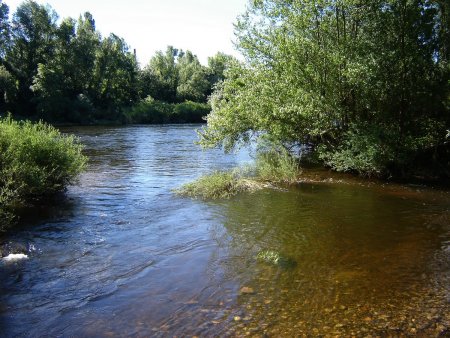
<point x="247" y="290"/>
<point x="276" y="258"/>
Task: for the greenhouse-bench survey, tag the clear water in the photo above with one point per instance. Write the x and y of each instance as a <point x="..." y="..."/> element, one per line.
<point x="124" y="256"/>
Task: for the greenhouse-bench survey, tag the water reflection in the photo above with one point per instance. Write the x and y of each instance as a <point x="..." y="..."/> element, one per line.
<point x="366" y="261"/>
<point x="122" y="255"/>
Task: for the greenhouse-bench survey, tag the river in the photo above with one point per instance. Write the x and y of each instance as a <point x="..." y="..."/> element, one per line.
<point x="123" y="255"/>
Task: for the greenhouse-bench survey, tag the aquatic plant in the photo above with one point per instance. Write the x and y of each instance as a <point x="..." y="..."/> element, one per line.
<point x="275" y="258"/>
<point x="273" y="165"/>
<point x="219" y="184"/>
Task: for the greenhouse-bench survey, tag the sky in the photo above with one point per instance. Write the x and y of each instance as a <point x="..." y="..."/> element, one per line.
<point x="204" y="27"/>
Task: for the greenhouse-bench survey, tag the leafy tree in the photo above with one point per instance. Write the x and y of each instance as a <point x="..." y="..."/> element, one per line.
<point x="69" y="73"/>
<point x="338" y="75"/>
<point x="193" y="83"/>
<point x="160" y="76"/>
<point x="53" y="83"/>
<point x="4" y="29"/>
<point x="87" y="77"/>
<point x="115" y="76"/>
<point x="217" y="65"/>
<point x="7" y="89"/>
<point x="64" y="83"/>
<point x="86" y="45"/>
<point x="32" y="42"/>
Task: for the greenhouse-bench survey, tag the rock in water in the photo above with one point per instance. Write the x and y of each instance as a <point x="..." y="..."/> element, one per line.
<point x="275" y="258"/>
<point x="15" y="257"/>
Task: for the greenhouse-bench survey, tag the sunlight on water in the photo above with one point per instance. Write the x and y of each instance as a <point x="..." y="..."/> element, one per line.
<point x="124" y="256"/>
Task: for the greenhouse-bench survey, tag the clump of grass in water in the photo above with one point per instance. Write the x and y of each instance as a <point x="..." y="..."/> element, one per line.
<point x="273" y="165"/>
<point x="219" y="184"/>
<point x="276" y="164"/>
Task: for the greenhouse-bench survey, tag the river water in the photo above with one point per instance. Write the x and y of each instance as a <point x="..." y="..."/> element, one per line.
<point x="123" y="255"/>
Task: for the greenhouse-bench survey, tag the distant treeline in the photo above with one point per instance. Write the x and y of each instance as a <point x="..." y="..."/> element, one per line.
<point x="69" y="73"/>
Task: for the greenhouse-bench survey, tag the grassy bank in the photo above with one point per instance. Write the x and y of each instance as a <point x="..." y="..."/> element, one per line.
<point x="36" y="162"/>
<point x="273" y="167"/>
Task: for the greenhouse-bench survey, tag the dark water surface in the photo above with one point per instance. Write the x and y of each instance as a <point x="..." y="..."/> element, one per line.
<point x="124" y="256"/>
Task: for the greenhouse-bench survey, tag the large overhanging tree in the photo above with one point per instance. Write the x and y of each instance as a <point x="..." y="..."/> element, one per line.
<point x="365" y="83"/>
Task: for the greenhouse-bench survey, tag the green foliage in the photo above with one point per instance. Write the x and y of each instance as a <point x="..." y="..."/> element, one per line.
<point x="36" y="161"/>
<point x="275" y="163"/>
<point x="218" y="64"/>
<point x="115" y="77"/>
<point x="193" y="83"/>
<point x="150" y="111"/>
<point x="175" y="76"/>
<point x="190" y="112"/>
<point x="160" y="76"/>
<point x="64" y="84"/>
<point x="32" y="29"/>
<point x="88" y="78"/>
<point x="69" y="73"/>
<point x="8" y="88"/>
<point x="332" y="75"/>
<point x="362" y="151"/>
<point x="66" y="73"/>
<point x="5" y="29"/>
<point x="217" y="185"/>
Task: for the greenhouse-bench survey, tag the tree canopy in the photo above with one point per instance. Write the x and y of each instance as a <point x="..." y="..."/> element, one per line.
<point x="365" y="85"/>
<point x="65" y="71"/>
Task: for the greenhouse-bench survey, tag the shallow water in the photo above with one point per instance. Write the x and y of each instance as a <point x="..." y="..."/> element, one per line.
<point x="124" y="256"/>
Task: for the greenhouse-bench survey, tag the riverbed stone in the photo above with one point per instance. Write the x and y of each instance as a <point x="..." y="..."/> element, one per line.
<point x="275" y="258"/>
<point x="246" y="290"/>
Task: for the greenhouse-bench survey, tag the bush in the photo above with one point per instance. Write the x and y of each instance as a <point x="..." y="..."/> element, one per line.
<point x="36" y="161"/>
<point x="365" y="150"/>
<point x="190" y="112"/>
<point x="150" y="111"/>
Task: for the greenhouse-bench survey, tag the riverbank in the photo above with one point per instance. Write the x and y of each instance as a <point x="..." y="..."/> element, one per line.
<point x="370" y="259"/>
<point x="222" y="184"/>
<point x="148" y="111"/>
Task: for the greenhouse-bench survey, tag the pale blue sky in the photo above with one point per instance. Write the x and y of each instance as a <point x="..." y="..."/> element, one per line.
<point x="202" y="26"/>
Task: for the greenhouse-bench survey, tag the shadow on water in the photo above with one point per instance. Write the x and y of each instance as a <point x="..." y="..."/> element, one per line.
<point x="124" y="256"/>
<point x="368" y="260"/>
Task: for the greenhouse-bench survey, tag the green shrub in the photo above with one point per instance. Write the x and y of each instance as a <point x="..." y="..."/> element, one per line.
<point x="150" y="111"/>
<point x="190" y="112"/>
<point x="36" y="161"/>
<point x="367" y="150"/>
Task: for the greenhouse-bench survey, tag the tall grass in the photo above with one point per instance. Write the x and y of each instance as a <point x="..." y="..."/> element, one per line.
<point x="219" y="184"/>
<point x="272" y="166"/>
<point x="276" y="165"/>
<point x="36" y="161"/>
